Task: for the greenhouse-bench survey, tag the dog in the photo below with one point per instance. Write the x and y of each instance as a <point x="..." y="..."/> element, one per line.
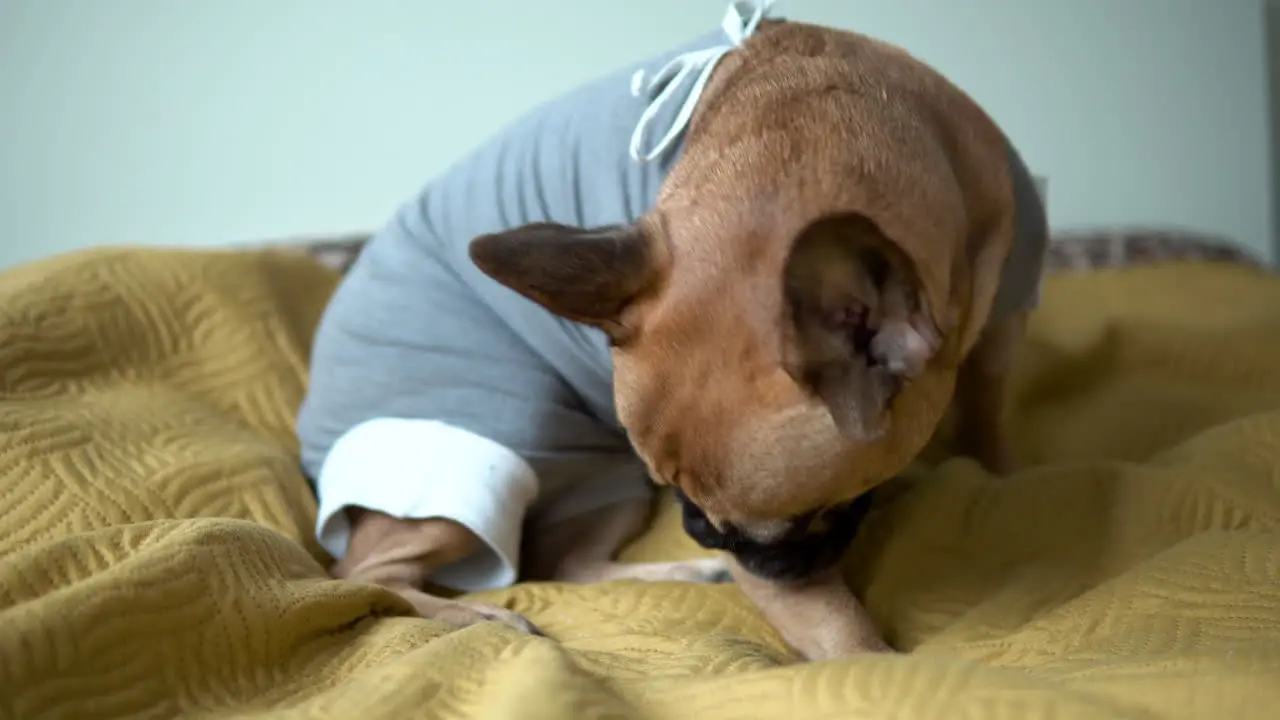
<point x="845" y="249"/>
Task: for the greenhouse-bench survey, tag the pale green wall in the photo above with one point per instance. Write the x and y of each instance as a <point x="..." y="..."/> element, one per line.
<point x="187" y="122"/>
<point x="1273" y="71"/>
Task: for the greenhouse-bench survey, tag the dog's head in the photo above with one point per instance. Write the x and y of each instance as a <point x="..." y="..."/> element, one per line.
<point x="787" y="321"/>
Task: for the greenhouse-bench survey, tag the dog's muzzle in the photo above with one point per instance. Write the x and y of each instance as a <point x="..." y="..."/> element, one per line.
<point x="800" y="552"/>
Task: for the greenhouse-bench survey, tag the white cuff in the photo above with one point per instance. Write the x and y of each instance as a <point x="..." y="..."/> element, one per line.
<point x="428" y="469"/>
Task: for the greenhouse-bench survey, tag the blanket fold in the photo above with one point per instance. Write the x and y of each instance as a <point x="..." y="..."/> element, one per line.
<point x="156" y="557"/>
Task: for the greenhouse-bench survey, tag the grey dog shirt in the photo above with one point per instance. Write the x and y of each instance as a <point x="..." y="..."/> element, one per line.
<point x="436" y="392"/>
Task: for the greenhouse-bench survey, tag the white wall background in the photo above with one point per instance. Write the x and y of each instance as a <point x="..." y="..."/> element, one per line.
<point x="188" y="122"/>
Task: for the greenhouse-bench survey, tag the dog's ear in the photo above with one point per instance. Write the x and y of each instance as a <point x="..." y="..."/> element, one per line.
<point x="586" y="275"/>
<point x="857" y="398"/>
<point x="855" y="309"/>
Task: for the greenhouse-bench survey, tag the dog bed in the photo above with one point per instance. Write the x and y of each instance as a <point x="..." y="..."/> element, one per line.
<point x="156" y="557"/>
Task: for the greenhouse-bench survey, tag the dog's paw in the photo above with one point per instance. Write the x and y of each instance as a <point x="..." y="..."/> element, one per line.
<point x="699" y="570"/>
<point x="702" y="570"/>
<point x="464" y="613"/>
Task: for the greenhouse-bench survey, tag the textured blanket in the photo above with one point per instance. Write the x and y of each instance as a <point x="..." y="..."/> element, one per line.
<point x="156" y="560"/>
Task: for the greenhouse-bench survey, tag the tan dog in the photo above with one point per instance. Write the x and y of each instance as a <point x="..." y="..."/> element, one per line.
<point x="796" y="314"/>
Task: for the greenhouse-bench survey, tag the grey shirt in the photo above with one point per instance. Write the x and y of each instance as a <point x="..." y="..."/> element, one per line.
<point x="417" y="334"/>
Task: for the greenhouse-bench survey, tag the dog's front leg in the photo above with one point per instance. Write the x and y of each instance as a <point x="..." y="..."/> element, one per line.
<point x="400" y="554"/>
<point x="981" y="388"/>
<point x="819" y="617"/>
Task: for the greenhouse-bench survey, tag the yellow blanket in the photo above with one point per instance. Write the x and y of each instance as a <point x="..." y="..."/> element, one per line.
<point x="156" y="560"/>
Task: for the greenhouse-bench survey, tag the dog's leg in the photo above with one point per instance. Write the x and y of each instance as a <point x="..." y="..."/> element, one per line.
<point x="401" y="554"/>
<point x="981" y="387"/>
<point x="820" y="617"/>
<point x="583" y="548"/>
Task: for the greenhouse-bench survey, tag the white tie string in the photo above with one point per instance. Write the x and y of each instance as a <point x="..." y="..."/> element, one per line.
<point x="740" y="22"/>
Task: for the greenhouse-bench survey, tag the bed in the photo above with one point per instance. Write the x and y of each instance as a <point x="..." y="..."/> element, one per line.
<point x="156" y="557"/>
